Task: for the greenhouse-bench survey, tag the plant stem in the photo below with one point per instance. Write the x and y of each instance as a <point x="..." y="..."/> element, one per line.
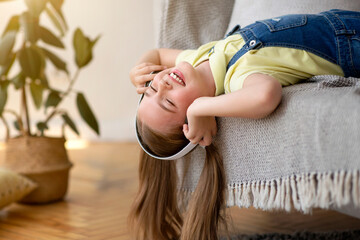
<point x="7" y="127"/>
<point x="19" y="120"/>
<point x="26" y="111"/>
<point x="76" y="75"/>
<point x="55" y="110"/>
<point x="50" y="116"/>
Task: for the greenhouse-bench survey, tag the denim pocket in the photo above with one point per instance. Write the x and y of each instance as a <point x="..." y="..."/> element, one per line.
<point x="285" y="22"/>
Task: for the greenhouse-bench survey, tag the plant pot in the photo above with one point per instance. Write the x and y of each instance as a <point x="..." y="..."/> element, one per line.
<point x="43" y="160"/>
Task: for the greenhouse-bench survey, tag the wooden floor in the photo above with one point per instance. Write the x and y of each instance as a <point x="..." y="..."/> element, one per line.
<point x="103" y="182"/>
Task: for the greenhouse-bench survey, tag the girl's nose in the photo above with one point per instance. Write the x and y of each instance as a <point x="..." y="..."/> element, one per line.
<point x="164" y="84"/>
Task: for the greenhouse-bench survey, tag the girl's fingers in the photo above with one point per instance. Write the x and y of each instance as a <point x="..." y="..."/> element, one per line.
<point x="194" y="139"/>
<point x="197" y="139"/>
<point x="145" y="78"/>
<point x="145" y="64"/>
<point x="206" y="141"/>
<point x="141" y="80"/>
<point x="185" y="128"/>
<point x="141" y="90"/>
<point x="188" y="135"/>
<point x="214" y="131"/>
<point x="142" y="65"/>
<point x="186" y="131"/>
<point x="149" y="69"/>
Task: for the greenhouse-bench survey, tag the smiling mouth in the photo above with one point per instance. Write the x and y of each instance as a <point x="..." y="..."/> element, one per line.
<point x="177" y="78"/>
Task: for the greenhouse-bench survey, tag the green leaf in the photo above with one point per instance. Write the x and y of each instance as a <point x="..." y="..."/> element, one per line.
<point x="6" y="46"/>
<point x="58" y="63"/>
<point x="83" y="48"/>
<point x="18" y="81"/>
<point x="57" y="4"/>
<point x="44" y="80"/>
<point x="36" y="93"/>
<point x="86" y="112"/>
<point x="4" y="70"/>
<point x="42" y="127"/>
<point x="36" y="6"/>
<point x="3" y="94"/>
<point x="13" y="25"/>
<point x="17" y="125"/>
<point x="70" y="123"/>
<point x="53" y="99"/>
<point x="55" y="20"/>
<point x="95" y="41"/>
<point x="31" y="62"/>
<point x="61" y="15"/>
<point x="31" y="27"/>
<point x="49" y="38"/>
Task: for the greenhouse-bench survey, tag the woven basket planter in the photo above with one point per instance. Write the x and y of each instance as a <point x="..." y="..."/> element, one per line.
<point x="45" y="161"/>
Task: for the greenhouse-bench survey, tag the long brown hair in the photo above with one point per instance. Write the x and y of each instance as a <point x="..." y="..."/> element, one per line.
<point x="155" y="213"/>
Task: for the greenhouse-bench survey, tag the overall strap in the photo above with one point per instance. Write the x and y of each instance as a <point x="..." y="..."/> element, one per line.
<point x="251" y="42"/>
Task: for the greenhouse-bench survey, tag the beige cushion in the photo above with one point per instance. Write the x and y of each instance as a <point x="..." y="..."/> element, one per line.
<point x="13" y="187"/>
<point x="247" y="12"/>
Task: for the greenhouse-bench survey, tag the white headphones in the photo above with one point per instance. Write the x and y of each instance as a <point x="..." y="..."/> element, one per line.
<point x="190" y="146"/>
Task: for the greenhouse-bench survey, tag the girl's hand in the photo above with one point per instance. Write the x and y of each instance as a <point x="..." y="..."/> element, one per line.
<point x="140" y="74"/>
<point x="200" y="129"/>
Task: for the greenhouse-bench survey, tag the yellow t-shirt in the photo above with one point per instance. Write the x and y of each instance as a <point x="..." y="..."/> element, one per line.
<point x="287" y="65"/>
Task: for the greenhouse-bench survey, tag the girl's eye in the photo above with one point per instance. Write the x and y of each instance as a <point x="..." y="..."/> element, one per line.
<point x="153" y="88"/>
<point x="170" y="102"/>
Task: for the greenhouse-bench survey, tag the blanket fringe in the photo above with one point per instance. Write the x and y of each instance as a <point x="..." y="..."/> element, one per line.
<point x="302" y="192"/>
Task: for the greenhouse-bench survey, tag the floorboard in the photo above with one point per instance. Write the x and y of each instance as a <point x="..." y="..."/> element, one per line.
<point x="102" y="184"/>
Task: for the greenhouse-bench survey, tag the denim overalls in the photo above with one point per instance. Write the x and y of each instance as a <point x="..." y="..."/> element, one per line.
<point x="333" y="35"/>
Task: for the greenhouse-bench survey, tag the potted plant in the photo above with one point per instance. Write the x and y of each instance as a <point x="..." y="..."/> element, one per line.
<point x="31" y="152"/>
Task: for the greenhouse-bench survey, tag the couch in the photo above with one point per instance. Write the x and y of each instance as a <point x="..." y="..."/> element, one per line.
<point x="306" y="154"/>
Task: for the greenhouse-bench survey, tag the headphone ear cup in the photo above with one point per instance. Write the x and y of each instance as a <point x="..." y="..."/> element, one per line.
<point x="155" y="72"/>
<point x="147" y="84"/>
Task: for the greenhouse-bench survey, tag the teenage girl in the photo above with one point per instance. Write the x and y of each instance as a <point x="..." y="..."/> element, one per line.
<point x="241" y="75"/>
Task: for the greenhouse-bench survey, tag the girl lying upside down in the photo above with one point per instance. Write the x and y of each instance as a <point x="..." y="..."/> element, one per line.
<point x="241" y="75"/>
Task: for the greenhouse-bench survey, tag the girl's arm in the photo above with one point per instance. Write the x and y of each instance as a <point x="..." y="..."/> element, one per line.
<point x="160" y="56"/>
<point x="153" y="60"/>
<point x="259" y="97"/>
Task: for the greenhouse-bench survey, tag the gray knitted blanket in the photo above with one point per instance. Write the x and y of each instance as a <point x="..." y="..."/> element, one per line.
<point x="306" y="154"/>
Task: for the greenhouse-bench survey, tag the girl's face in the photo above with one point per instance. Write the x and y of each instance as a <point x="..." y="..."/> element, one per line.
<point x="171" y="92"/>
